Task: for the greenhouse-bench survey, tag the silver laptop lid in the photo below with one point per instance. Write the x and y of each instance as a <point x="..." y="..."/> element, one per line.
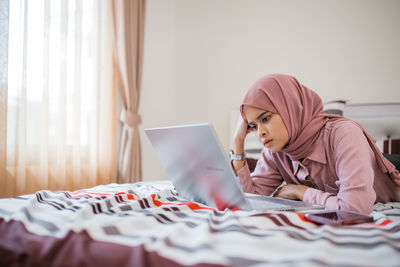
<point x="197" y="165"/>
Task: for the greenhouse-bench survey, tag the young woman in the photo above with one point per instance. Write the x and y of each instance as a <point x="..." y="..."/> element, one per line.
<point x="324" y="159"/>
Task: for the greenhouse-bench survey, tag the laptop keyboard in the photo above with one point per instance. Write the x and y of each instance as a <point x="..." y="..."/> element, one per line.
<point x="258" y="204"/>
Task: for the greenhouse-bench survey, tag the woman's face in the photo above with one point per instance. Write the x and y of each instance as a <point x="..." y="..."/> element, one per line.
<point x="268" y="127"/>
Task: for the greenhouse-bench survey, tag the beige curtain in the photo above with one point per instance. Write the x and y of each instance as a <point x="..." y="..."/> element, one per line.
<point x="60" y="131"/>
<point x="128" y="18"/>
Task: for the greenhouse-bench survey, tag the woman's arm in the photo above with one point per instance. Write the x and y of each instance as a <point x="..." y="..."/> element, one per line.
<point x="239" y="136"/>
<point x="265" y="178"/>
<point x="354" y="161"/>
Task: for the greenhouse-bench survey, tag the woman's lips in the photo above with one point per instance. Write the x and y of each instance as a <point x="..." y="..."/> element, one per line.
<point x="268" y="142"/>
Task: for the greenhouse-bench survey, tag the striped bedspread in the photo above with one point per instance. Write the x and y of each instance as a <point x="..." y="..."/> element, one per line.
<point x="148" y="224"/>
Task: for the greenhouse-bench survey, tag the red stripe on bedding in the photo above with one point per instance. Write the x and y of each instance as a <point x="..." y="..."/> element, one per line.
<point x="191" y="205"/>
<point x="385" y="222"/>
<point x="303" y="218"/>
<point x="130" y="196"/>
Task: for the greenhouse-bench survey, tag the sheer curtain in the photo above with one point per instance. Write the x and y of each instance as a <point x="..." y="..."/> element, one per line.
<point x="61" y="105"/>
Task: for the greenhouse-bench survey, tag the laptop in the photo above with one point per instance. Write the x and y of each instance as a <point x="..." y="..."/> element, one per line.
<point x="201" y="172"/>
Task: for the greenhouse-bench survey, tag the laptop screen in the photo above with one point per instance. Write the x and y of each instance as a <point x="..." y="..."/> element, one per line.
<point x="197" y="165"/>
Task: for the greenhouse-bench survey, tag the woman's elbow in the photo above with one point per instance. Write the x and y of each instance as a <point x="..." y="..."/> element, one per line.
<point x="365" y="206"/>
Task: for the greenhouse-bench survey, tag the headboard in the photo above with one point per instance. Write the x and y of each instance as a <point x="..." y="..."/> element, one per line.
<point x="381" y="120"/>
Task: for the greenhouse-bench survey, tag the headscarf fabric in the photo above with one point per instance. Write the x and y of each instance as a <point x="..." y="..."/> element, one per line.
<point x="302" y="113"/>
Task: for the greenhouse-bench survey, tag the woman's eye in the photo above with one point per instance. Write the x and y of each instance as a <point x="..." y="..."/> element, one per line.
<point x="265" y="119"/>
<point x="252" y="127"/>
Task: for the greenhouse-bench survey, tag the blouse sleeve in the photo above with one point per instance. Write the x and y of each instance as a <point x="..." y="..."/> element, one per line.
<point x="354" y="161"/>
<point x="263" y="180"/>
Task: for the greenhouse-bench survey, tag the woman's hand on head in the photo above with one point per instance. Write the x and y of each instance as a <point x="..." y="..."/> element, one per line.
<point x="240" y="134"/>
<point x="291" y="191"/>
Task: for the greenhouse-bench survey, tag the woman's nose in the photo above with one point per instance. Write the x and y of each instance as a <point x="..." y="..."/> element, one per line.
<point x="262" y="132"/>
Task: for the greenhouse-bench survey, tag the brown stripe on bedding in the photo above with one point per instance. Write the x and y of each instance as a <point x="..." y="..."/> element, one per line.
<point x="141" y="204"/>
<point x="93" y="208"/>
<point x="43" y="199"/>
<point x="176" y="212"/>
<point x="164" y="219"/>
<point x="146" y="202"/>
<point x="54" y="203"/>
<point x="108" y="204"/>
<point x="51" y="227"/>
<point x="25" y="197"/>
<point x="288" y="222"/>
<point x="118" y="198"/>
<point x="219" y="213"/>
<point x="158" y="219"/>
<point x="99" y="207"/>
<point x="269" y="216"/>
<point x="64" y="200"/>
<point x="161" y="218"/>
<point x="68" y="195"/>
<point x="111" y="230"/>
<point x="125" y="208"/>
<point x="40" y="200"/>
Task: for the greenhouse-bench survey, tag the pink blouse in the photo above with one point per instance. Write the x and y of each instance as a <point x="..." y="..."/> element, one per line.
<point x="341" y="172"/>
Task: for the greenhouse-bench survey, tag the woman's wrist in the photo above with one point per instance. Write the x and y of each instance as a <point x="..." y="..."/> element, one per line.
<point x="238" y="147"/>
<point x="301" y="190"/>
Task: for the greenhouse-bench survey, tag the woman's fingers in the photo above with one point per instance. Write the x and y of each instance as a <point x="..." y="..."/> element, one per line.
<point x="241" y="130"/>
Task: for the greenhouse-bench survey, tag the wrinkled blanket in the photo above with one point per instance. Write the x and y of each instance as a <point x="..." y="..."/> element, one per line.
<point x="148" y="224"/>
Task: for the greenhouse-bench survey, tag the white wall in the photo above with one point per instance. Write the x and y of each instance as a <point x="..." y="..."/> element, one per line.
<point x="201" y="55"/>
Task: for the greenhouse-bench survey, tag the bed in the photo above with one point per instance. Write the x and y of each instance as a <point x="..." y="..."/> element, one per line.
<point x="149" y="224"/>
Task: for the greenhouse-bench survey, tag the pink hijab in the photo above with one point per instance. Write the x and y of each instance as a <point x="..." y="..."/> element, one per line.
<point x="301" y="110"/>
